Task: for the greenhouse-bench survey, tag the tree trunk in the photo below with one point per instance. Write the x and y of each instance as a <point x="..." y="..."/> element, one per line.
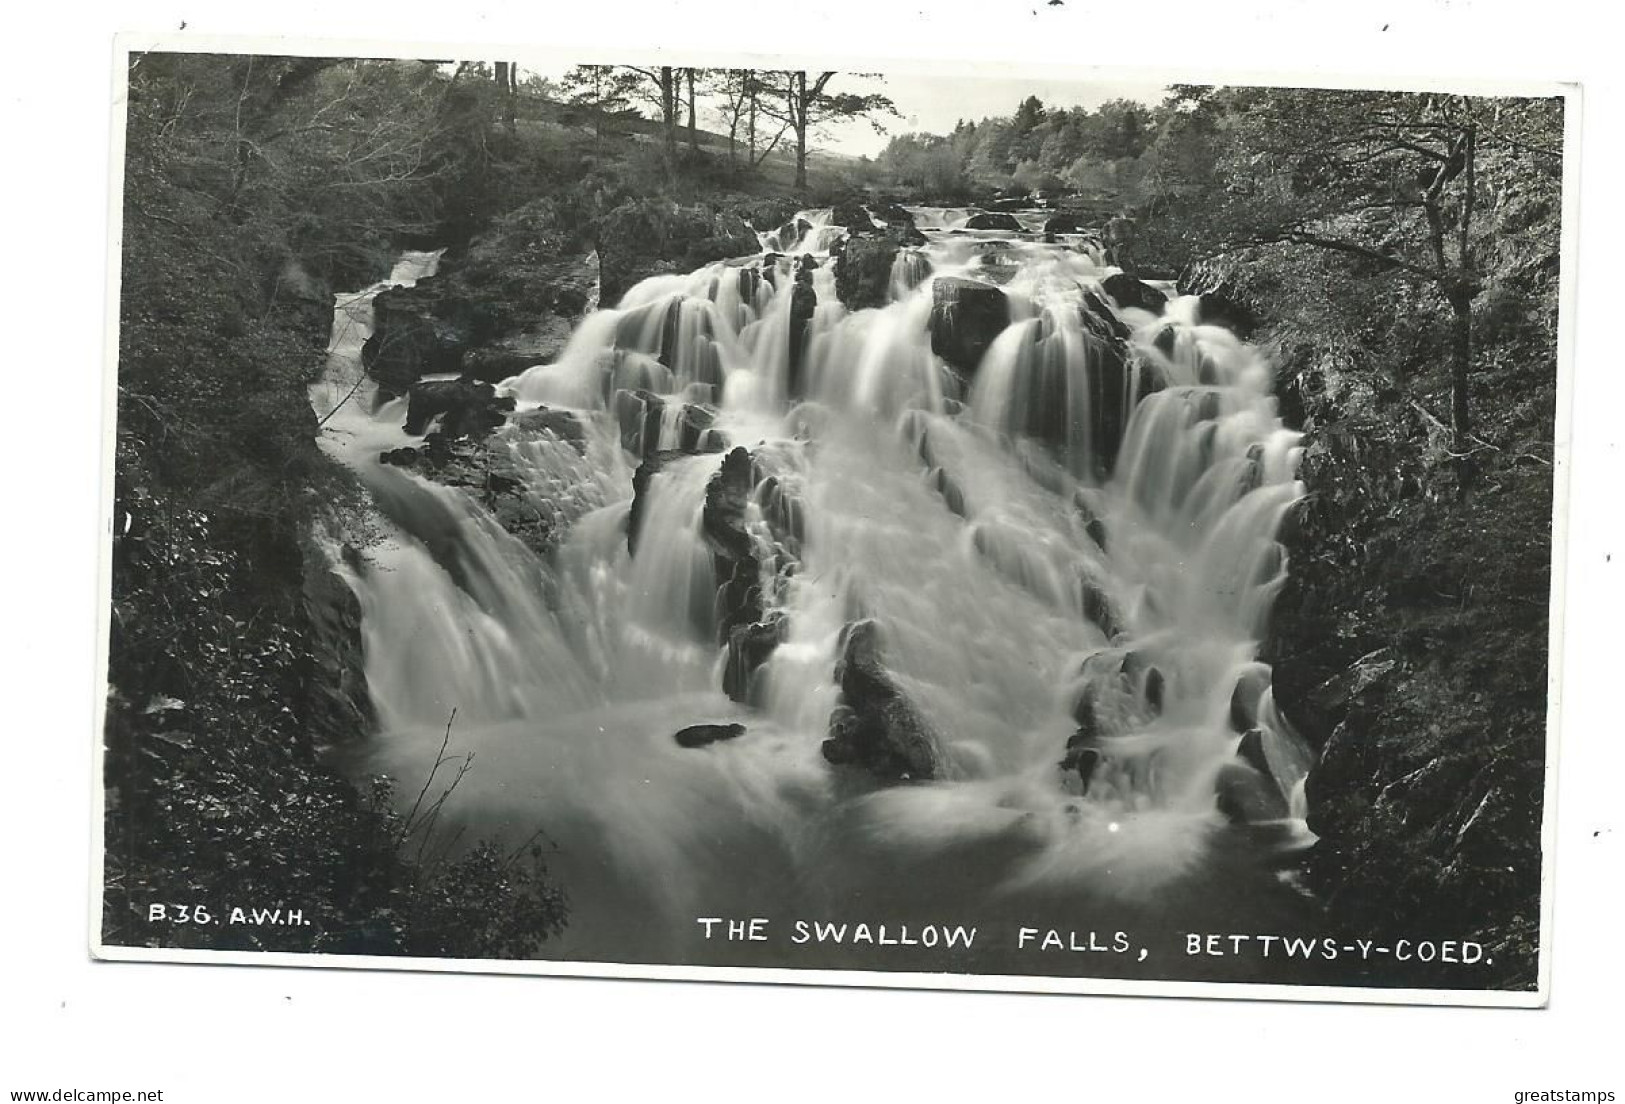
<point x="1461" y="360"/>
<point x="798" y="116"/>
<point x="693" y="131"/>
<point x="668" y="111"/>
<point x="750" y="129"/>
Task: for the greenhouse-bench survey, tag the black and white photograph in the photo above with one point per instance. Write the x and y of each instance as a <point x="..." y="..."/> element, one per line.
<point x="991" y="530"/>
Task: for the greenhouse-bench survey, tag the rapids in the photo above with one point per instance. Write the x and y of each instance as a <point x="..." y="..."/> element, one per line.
<point x="1071" y="556"/>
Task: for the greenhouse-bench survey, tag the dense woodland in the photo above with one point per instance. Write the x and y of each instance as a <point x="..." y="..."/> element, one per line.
<point x="1398" y="253"/>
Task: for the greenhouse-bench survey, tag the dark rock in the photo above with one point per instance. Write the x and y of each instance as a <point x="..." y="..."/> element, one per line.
<point x="875" y="727"/>
<point x="1221" y="308"/>
<point x="803" y="304"/>
<point x="727" y="497"/>
<point x="892" y="213"/>
<point x="992" y="220"/>
<point x="1083" y="754"/>
<point x="766" y="212"/>
<point x="1126" y="292"/>
<point x="850" y="214"/>
<point x="1244" y="796"/>
<point x="1119" y="236"/>
<point x="466" y="408"/>
<point x="647" y="237"/>
<point x="1063" y="224"/>
<point x="863" y="270"/>
<point x="749" y="647"/>
<point x="966" y="315"/>
<point x="1251" y="752"/>
<point x="704" y="735"/>
<point x="400" y="457"/>
<point x="560" y="423"/>
<point x="417" y="331"/>
<point x="339" y="707"/>
<point x="641" y="478"/>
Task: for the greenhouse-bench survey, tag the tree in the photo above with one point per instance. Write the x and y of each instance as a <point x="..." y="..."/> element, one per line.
<point x="1392" y="181"/>
<point x="805" y="106"/>
<point x="660" y="89"/>
<point x="506" y="75"/>
<point x="606" y="92"/>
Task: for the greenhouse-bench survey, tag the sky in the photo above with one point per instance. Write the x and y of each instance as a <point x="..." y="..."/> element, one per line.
<point x="933" y="104"/>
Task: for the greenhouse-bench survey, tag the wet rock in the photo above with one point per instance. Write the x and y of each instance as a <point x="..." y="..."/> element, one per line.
<point x="875" y="727"/>
<point x="339" y="707"/>
<point x="1099" y="608"/>
<point x="1119" y="235"/>
<point x="704" y="735"/>
<point x="464" y="407"/>
<point x="1155" y="688"/>
<point x="749" y="648"/>
<point x="485" y="468"/>
<point x="646" y="237"/>
<point x="993" y="220"/>
<point x="1083" y="755"/>
<point x="1223" y="308"/>
<point x="966" y="315"/>
<point x="765" y="213"/>
<point x="1063" y="224"/>
<point x="850" y="214"/>
<point x="417" y="331"/>
<point x="892" y="213"/>
<point x="1246" y="796"/>
<point x="863" y="270"/>
<point x="641" y="478"/>
<point x="1245" y="699"/>
<point x="1251" y="752"/>
<point x="803" y="304"/>
<point x="1128" y="292"/>
<point x="560" y="423"/>
<point x="734" y="552"/>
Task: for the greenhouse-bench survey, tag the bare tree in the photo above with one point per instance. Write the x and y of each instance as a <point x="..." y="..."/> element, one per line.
<point x="805" y="105"/>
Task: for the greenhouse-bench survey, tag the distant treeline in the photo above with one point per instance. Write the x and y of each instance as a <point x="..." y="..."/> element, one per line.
<point x="1108" y="153"/>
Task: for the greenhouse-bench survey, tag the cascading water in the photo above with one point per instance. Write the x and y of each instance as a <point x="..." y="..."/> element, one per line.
<point x="1066" y="564"/>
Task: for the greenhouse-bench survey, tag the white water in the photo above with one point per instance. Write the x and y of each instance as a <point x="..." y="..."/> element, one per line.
<point x="961" y="522"/>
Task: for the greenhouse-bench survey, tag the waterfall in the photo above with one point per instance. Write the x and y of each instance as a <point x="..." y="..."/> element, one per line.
<point x="1066" y="549"/>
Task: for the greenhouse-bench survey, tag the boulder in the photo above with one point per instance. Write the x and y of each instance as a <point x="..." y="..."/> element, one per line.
<point x="893" y="214"/>
<point x="562" y="424"/>
<point x="875" y="727"/>
<point x="793" y="231"/>
<point x="647" y="237"/>
<point x="1221" y="308"/>
<point x="966" y="315"/>
<point x="863" y="268"/>
<point x="803" y="304"/>
<point x="1246" y="796"/>
<point x="641" y="478"/>
<point x="1063" y="224"/>
<point x="704" y="735"/>
<point x="727" y="497"/>
<point x="465" y="407"/>
<point x="766" y="213"/>
<point x="1127" y="292"/>
<point x="749" y="647"/>
<point x="851" y="214"/>
<point x="417" y="331"/>
<point x="993" y="220"/>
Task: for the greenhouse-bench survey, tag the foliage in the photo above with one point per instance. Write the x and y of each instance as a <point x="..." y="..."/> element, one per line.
<point x="1410" y="641"/>
<point x="254" y="186"/>
<point x="1037" y="149"/>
